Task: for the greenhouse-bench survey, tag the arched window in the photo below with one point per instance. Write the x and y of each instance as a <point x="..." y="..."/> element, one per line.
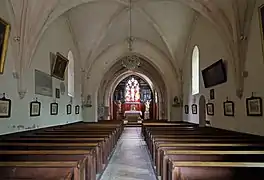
<point x="132" y="93"/>
<point x="195" y="71"/>
<point x="70" y="75"/>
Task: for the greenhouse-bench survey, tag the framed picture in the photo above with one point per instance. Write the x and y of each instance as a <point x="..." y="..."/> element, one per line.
<point x="59" y="66"/>
<point x="57" y="93"/>
<point x="229" y="108"/>
<point x="69" y="109"/>
<point x="54" y="108"/>
<point x="77" y="109"/>
<point x="212" y="94"/>
<point x="4" y="35"/>
<point x="35" y="108"/>
<point x="186" y="109"/>
<point x="210" y="109"/>
<point x="5" y="108"/>
<point x="254" y="106"/>
<point x="43" y="83"/>
<point x="194" y="109"/>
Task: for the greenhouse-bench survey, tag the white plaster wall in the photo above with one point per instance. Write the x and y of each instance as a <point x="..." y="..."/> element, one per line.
<point x="56" y="39"/>
<point x="211" y="50"/>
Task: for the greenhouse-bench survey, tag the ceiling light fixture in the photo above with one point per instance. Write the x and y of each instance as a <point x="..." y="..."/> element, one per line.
<point x="130" y="61"/>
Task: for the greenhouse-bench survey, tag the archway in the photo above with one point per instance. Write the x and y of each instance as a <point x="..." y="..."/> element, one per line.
<point x="133" y="95"/>
<point x="146" y="72"/>
<point x="202" y="111"/>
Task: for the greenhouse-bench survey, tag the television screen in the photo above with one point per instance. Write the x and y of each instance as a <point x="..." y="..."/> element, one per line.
<point x="214" y="74"/>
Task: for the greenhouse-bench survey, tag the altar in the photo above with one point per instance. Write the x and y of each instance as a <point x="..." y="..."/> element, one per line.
<point x="133" y="114"/>
<point x="132" y="117"/>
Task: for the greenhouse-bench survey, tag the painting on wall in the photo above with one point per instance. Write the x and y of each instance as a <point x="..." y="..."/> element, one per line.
<point x="186" y="109"/>
<point x="59" y="66"/>
<point x="54" y="108"/>
<point x="77" y="109"/>
<point x="43" y="83"/>
<point x="57" y="93"/>
<point x="210" y="109"/>
<point x="254" y="106"/>
<point x="35" y="108"/>
<point x="4" y="35"/>
<point x="194" y="109"/>
<point x="229" y="108"/>
<point x="212" y="94"/>
<point x="5" y="107"/>
<point x="261" y="24"/>
<point x="69" y="109"/>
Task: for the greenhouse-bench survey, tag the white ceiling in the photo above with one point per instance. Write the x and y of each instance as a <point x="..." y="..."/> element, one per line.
<point x="97" y="25"/>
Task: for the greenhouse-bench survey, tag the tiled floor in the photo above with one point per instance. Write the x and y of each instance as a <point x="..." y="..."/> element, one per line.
<point x="130" y="160"/>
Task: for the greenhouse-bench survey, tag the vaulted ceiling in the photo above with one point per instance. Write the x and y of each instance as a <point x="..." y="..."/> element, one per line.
<point x="163" y="27"/>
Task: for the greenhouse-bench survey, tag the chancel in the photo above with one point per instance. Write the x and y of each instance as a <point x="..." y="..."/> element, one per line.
<point x="131" y="89"/>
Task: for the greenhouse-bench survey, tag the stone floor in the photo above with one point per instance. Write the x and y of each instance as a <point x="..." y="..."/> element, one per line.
<point x="130" y="161"/>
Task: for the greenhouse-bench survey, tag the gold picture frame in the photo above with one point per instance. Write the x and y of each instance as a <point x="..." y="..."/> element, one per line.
<point x="59" y="67"/>
<point x="4" y="35"/>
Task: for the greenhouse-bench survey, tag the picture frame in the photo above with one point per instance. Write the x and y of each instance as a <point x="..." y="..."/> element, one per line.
<point x="69" y="109"/>
<point x="43" y="83"/>
<point x="59" y="66"/>
<point x="77" y="109"/>
<point x="54" y="109"/>
<point x="261" y="25"/>
<point x="254" y="106"/>
<point x="4" y="37"/>
<point x="57" y="93"/>
<point x="229" y="108"/>
<point x="186" y="109"/>
<point x="35" y="108"/>
<point x="5" y="107"/>
<point x="194" y="109"/>
<point x="212" y="94"/>
<point x="210" y="109"/>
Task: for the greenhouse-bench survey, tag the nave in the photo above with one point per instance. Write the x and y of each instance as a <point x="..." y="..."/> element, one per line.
<point x="108" y="150"/>
<point x="130" y="160"/>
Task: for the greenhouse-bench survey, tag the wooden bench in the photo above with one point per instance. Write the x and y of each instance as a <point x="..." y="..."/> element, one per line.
<point x="42" y="170"/>
<point x="163" y="151"/>
<point x="208" y="155"/>
<point x="82" y="156"/>
<point x="45" y="149"/>
<point x="193" y="170"/>
<point x="163" y="139"/>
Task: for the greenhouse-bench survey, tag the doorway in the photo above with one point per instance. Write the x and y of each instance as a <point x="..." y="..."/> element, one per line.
<point x="202" y="111"/>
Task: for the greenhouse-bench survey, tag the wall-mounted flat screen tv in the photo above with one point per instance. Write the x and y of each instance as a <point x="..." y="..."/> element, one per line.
<point x="214" y="74"/>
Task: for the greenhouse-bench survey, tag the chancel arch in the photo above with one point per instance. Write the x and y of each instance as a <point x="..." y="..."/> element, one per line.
<point x="146" y="72"/>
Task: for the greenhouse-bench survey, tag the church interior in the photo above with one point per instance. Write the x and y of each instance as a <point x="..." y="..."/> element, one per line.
<point x="131" y="89"/>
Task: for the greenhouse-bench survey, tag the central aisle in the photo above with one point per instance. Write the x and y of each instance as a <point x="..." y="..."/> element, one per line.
<point x="130" y="160"/>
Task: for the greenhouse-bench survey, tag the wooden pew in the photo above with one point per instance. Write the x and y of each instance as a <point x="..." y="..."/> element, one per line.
<point x="80" y="156"/>
<point x="163" y="151"/>
<point x="97" y="139"/>
<point x="103" y="149"/>
<point x="193" y="170"/>
<point x="70" y="170"/>
<point x="56" y="146"/>
<point x="208" y="155"/>
<point x="22" y="172"/>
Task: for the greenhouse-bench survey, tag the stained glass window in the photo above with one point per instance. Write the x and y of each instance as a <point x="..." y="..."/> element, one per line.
<point x="132" y="91"/>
